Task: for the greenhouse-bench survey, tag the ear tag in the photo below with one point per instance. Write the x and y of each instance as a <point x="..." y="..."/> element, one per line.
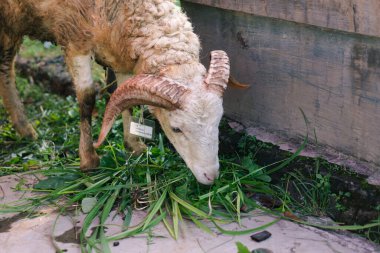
<point x="142" y="127"/>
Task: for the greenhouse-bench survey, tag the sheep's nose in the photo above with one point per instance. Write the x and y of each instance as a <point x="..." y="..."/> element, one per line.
<point x="206" y="174"/>
<point x="210" y="177"/>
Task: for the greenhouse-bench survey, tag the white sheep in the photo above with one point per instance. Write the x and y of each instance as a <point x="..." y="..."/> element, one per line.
<point x="152" y="39"/>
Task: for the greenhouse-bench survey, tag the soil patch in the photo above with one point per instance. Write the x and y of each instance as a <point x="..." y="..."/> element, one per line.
<point x="6" y="223"/>
<point x="70" y="236"/>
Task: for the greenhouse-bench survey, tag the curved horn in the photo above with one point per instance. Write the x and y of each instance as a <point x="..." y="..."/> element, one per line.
<point x="232" y="82"/>
<point x="142" y="90"/>
<point x="219" y="72"/>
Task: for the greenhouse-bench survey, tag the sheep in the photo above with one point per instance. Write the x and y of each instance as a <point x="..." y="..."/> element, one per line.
<point x="154" y="40"/>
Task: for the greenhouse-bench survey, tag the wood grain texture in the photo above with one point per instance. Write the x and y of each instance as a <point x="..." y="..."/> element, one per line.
<point x="333" y="77"/>
<point x="359" y="16"/>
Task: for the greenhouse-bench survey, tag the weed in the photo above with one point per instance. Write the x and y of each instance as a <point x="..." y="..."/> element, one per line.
<point x="338" y="200"/>
<point x="310" y="195"/>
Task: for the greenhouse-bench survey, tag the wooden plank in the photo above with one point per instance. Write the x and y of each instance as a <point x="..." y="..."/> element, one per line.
<point x="332" y="77"/>
<point x="358" y="16"/>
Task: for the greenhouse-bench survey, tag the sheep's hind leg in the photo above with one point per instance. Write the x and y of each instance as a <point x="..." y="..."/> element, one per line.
<point x="80" y="69"/>
<point x="130" y="141"/>
<point x="8" y="91"/>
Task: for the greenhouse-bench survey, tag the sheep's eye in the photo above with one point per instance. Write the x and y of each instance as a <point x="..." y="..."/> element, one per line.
<point x="176" y="130"/>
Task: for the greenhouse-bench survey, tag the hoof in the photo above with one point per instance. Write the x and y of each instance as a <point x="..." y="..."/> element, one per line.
<point x="91" y="162"/>
<point x="137" y="148"/>
<point x="27" y="132"/>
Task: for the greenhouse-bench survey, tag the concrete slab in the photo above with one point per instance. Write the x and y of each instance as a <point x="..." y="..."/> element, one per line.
<point x="37" y="235"/>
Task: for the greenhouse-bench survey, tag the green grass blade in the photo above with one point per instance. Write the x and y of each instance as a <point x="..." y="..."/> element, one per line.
<point x="168" y="227"/>
<point x="200" y="225"/>
<point x="191" y="208"/>
<point x="92" y="215"/>
<point x="155" y="209"/>
<point x="238" y="207"/>
<point x="104" y="242"/>
<point x="98" y="183"/>
<point x="91" y="241"/>
<point x="291" y="158"/>
<point x="108" y="206"/>
<point x="128" y="217"/>
<point x="219" y="190"/>
<point x="175" y="218"/>
<point x="341" y="227"/>
<point x="247" y="231"/>
<point x="138" y="229"/>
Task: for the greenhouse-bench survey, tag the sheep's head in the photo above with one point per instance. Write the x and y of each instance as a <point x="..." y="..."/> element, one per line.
<point x="189" y="116"/>
<point x="193" y="130"/>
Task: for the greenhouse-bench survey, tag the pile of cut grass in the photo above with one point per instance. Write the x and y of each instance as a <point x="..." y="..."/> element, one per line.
<point x="157" y="181"/>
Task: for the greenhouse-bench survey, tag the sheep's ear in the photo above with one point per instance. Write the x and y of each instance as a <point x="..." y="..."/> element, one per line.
<point x="218" y="72"/>
<point x="142" y="90"/>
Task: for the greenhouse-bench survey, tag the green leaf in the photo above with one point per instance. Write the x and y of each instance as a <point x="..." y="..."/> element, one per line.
<point x="55" y="182"/>
<point x="14" y="160"/>
<point x="265" y="178"/>
<point x="182" y="190"/>
<point x="248" y="163"/>
<point x="242" y="248"/>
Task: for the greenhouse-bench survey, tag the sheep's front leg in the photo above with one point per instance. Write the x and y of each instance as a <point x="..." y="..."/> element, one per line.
<point x="131" y="142"/>
<point x="80" y="69"/>
<point x="8" y="91"/>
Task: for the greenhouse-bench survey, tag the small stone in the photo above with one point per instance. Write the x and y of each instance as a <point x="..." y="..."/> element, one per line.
<point x="321" y="221"/>
<point x="261" y="236"/>
<point x="48" y="44"/>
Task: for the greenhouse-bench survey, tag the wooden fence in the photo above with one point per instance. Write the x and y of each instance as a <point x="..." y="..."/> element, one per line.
<point x="321" y="57"/>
